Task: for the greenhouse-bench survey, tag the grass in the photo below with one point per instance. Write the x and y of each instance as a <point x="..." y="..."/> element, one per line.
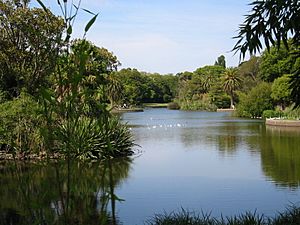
<point x="290" y="217"/>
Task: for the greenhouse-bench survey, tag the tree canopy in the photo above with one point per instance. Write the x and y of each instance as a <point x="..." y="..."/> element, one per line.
<point x="30" y="39"/>
<point x="272" y="22"/>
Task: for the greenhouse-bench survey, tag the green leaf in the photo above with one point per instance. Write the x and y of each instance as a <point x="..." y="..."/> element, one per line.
<point x="46" y="94"/>
<point x="69" y="30"/>
<point x="90" y="23"/>
<point x="88" y="11"/>
<point x="75" y="7"/>
<point x="118" y="199"/>
<point x="42" y="4"/>
<point x="77" y="78"/>
<point x="67" y="38"/>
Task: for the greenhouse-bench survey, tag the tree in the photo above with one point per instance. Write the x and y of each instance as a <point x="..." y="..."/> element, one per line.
<point x="209" y="75"/>
<point x="248" y="71"/>
<point x="250" y="68"/>
<point x="253" y="104"/>
<point x="221" y="61"/>
<point x="281" y="91"/>
<point x="115" y="90"/>
<point x="230" y="83"/>
<point x="277" y="62"/>
<point x="272" y="22"/>
<point x="30" y="40"/>
<point x="136" y="89"/>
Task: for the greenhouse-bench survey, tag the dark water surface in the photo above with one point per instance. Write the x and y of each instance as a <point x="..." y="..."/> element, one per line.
<point x="193" y="160"/>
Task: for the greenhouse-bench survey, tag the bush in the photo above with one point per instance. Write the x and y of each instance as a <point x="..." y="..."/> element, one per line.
<point x="271" y="114"/>
<point x="292" y="113"/>
<point x="198" y="105"/>
<point x="20" y="122"/>
<point x="93" y="139"/>
<point x="253" y="104"/>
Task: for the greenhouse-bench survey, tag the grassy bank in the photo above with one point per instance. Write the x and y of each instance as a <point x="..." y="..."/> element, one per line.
<point x="290" y="217"/>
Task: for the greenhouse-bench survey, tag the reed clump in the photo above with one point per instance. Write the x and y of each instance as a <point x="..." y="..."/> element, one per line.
<point x="291" y="216"/>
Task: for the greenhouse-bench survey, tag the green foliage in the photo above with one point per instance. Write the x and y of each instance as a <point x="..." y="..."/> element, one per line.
<point x="277" y="62"/>
<point x="273" y="22"/>
<point x="208" y="76"/>
<point x="221" y="61"/>
<point x="3" y="96"/>
<point x="140" y="87"/>
<point x="290" y="217"/>
<point x="253" y="104"/>
<point x="93" y="139"/>
<point x="230" y="83"/>
<point x="78" y="124"/>
<point x="21" y="122"/>
<point x="281" y="91"/>
<point x="271" y="113"/>
<point x="100" y="61"/>
<point x="193" y="86"/>
<point x="202" y="103"/>
<point x="248" y="71"/>
<point x="270" y="21"/>
<point x="292" y="113"/>
<point x="30" y="39"/>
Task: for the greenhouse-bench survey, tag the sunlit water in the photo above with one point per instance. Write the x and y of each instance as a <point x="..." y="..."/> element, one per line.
<point x="199" y="161"/>
<point x="209" y="161"/>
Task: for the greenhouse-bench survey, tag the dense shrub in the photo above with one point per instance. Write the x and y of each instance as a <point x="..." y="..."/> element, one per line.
<point x="292" y="113"/>
<point x="20" y="123"/>
<point x="271" y="114"/>
<point x="253" y="104"/>
<point x="197" y="105"/>
<point x="94" y="139"/>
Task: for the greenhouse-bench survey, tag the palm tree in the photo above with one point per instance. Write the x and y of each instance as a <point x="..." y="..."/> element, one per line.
<point x="231" y="82"/>
<point x="115" y="90"/>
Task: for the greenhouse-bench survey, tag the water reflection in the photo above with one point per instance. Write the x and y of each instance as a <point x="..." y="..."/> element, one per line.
<point x="280" y="155"/>
<point x="61" y="193"/>
<point x="276" y="149"/>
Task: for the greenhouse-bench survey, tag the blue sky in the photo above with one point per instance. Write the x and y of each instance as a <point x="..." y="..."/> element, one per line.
<point x="165" y="36"/>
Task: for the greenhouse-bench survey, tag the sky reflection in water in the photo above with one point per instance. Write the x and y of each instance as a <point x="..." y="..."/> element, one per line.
<point x="211" y="162"/>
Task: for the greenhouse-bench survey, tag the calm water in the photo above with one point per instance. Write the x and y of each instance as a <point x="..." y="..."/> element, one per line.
<point x="192" y="160"/>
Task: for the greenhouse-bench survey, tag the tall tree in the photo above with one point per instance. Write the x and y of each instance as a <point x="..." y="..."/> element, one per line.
<point x="231" y="82"/>
<point x="272" y="22"/>
<point x="221" y="61"/>
<point x="277" y="62"/>
<point x="30" y="40"/>
<point x="115" y="90"/>
<point x="281" y="92"/>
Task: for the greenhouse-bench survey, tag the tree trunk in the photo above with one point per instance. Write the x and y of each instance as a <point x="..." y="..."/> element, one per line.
<point x="231" y="102"/>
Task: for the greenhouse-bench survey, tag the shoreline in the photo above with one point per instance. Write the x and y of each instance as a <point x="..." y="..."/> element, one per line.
<point x="127" y="110"/>
<point x="283" y="123"/>
<point x="225" y="110"/>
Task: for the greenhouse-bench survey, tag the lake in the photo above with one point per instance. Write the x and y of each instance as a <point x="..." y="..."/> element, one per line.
<point x="199" y="161"/>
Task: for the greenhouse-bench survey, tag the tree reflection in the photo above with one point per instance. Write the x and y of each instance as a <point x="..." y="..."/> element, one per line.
<point x="81" y="193"/>
<point x="228" y="139"/>
<point x="280" y="155"/>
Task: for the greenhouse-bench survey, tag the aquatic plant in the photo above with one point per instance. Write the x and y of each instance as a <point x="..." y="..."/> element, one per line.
<point x="290" y="217"/>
